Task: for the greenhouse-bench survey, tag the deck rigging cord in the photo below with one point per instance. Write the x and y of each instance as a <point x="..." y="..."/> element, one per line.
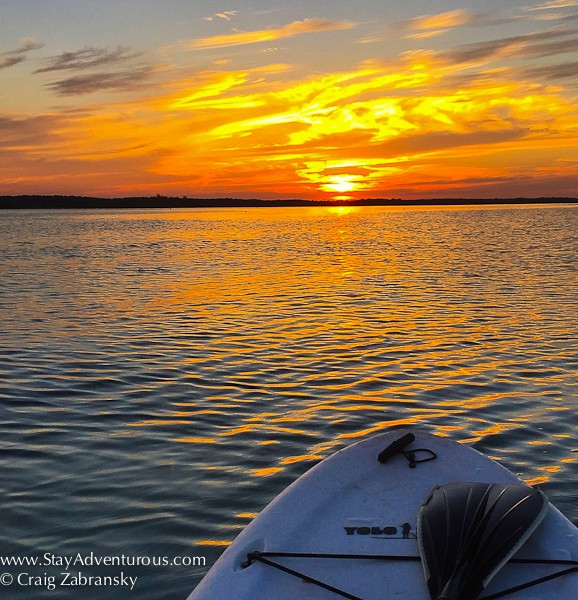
<point x="263" y="557"/>
<point x="484" y="508"/>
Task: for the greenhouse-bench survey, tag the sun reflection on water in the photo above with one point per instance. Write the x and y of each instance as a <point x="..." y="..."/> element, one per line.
<point x="230" y="350"/>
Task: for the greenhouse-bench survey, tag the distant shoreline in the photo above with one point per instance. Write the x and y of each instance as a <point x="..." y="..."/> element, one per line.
<point x="76" y="202"/>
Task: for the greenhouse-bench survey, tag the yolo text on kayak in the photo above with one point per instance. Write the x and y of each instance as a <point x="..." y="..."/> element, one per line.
<point x="404" y="531"/>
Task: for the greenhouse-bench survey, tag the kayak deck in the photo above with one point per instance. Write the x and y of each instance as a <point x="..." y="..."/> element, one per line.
<point x="350" y="504"/>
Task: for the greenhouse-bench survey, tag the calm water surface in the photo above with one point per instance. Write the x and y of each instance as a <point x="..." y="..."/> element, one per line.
<point x="163" y="375"/>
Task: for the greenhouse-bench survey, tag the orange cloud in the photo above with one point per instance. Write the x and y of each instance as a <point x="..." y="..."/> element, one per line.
<point x="226" y="15"/>
<point x="361" y="131"/>
<point x="433" y="25"/>
<point x="268" y="35"/>
<point x="443" y="20"/>
<point x="423" y="126"/>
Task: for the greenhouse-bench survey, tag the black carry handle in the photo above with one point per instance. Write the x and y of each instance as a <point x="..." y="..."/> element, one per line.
<point x="395" y="447"/>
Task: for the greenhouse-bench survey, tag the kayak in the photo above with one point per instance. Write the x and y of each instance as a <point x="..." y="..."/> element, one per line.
<point x="407" y="515"/>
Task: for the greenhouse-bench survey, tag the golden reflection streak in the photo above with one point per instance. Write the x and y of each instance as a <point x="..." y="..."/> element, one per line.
<point x="539" y="480"/>
<point x="302" y="458"/>
<point x="415" y="419"/>
<point x="259" y="425"/>
<point x="551" y="468"/>
<point x="148" y="422"/>
<point x="445" y="428"/>
<point x="265" y="472"/>
<point x="194" y="440"/>
<point x="493" y="429"/>
<point x="248" y="515"/>
<point x="212" y="543"/>
<point x="480" y="401"/>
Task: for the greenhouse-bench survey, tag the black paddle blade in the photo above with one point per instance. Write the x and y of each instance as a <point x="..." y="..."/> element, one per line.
<point x="468" y="531"/>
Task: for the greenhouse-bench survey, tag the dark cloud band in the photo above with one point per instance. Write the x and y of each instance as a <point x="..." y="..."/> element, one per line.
<point x="95" y="82"/>
<point x="13" y="57"/>
<point x="88" y="58"/>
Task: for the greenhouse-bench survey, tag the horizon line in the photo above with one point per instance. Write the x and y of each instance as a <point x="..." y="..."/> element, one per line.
<point x="40" y="201"/>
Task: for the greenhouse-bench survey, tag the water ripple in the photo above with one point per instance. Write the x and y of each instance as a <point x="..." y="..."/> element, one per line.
<point x="164" y="375"/>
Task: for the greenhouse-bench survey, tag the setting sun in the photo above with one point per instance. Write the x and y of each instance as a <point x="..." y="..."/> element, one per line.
<point x="340" y="183"/>
<point x="285" y="104"/>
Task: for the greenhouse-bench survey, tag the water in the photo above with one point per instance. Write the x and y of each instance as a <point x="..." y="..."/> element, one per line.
<point x="163" y="375"/>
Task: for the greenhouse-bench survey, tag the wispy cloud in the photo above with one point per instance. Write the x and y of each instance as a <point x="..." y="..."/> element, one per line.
<point x="9" y="60"/>
<point x="552" y="4"/>
<point x="227" y="15"/>
<point x="521" y="46"/>
<point x="428" y="26"/>
<point x="267" y="35"/>
<point x="18" y="55"/>
<point x="24" y="131"/>
<point x="129" y="79"/>
<point x="87" y="58"/>
<point x="122" y="72"/>
<point x="551" y="49"/>
<point x="471" y="117"/>
<point x="433" y="25"/>
<point x="551" y="72"/>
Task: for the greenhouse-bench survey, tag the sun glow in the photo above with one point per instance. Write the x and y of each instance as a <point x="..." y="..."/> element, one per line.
<point x="310" y="140"/>
<point x="340" y="183"/>
<point x="347" y="133"/>
<point x="342" y="210"/>
<point x="425" y="122"/>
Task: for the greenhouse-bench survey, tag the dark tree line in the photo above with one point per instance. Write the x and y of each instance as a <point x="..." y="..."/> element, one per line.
<point x="158" y="201"/>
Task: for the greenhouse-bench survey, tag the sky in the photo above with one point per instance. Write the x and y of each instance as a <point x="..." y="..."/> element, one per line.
<point x="289" y="99"/>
